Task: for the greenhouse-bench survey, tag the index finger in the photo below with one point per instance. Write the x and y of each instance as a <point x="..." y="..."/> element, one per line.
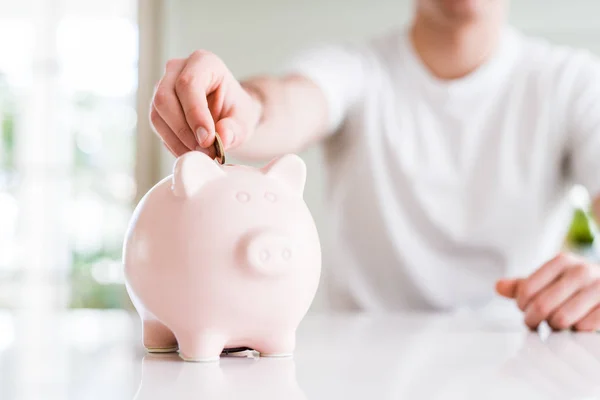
<point x="547" y="273"/>
<point x="508" y="287"/>
<point x="201" y="76"/>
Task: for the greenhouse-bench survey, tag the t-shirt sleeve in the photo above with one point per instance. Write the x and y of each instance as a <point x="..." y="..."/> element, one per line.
<point x="339" y="71"/>
<point x="584" y="125"/>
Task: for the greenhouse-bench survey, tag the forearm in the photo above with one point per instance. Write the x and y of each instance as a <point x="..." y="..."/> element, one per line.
<point x="596" y="208"/>
<point x="293" y="116"/>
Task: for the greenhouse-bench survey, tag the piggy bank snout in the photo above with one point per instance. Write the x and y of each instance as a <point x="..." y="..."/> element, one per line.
<point x="270" y="252"/>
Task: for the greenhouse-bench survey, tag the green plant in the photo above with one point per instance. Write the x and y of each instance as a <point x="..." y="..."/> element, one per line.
<point x="7" y="125"/>
<point x="580" y="232"/>
<point x="8" y="140"/>
<point x="86" y="292"/>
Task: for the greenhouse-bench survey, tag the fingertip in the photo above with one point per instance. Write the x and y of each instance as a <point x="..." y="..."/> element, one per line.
<point x="201" y="135"/>
<point x="205" y="137"/>
<point x="229" y="130"/>
<point x="534" y="325"/>
<point x="210" y="139"/>
<point x="501" y="288"/>
<point x="228" y="138"/>
<point x="506" y="288"/>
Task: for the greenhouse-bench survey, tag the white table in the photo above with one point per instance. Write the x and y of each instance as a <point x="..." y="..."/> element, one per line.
<point x="97" y="355"/>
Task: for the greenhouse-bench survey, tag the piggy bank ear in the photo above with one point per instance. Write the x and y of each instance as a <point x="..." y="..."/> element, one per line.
<point x="192" y="171"/>
<point x="290" y="169"/>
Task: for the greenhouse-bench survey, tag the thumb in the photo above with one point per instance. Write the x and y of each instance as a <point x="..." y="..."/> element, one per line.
<point x="508" y="287"/>
<point x="230" y="132"/>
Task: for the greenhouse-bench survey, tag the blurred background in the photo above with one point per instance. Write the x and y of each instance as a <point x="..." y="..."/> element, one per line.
<point x="76" y="149"/>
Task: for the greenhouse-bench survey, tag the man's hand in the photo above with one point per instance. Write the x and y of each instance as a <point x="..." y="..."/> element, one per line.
<point x="257" y="119"/>
<point x="565" y="292"/>
<point x="198" y="96"/>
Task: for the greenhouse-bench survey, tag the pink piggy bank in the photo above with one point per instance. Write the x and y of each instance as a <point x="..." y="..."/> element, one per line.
<point x="219" y="257"/>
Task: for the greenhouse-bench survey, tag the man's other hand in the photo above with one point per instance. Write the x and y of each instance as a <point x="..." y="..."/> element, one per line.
<point x="565" y="292"/>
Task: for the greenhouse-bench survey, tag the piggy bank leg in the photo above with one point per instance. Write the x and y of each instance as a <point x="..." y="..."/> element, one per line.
<point x="277" y="345"/>
<point x="158" y="338"/>
<point x="201" y="347"/>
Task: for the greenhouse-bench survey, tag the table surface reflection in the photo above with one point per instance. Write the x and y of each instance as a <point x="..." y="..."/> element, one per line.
<point x="87" y="355"/>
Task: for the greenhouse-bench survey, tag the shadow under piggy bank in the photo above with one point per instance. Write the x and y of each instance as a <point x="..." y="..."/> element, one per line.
<point x="166" y="377"/>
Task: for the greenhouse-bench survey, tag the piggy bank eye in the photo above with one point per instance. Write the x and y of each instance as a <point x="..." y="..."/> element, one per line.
<point x="242" y="197"/>
<point x="270" y="197"/>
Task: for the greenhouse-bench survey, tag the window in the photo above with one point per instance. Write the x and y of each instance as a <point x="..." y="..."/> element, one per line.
<point x="67" y="143"/>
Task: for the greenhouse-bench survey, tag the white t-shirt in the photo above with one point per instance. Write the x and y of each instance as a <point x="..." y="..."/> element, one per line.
<point x="438" y="188"/>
